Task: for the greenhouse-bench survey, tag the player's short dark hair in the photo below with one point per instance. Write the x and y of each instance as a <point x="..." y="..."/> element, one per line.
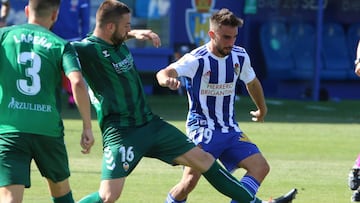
<point x="110" y="11"/>
<point x="225" y="17"/>
<point x="44" y="8"/>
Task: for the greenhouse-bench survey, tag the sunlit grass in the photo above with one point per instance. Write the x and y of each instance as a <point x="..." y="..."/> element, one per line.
<point x="309" y="145"/>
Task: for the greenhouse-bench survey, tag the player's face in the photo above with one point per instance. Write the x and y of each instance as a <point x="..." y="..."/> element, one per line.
<point x="121" y="30"/>
<point x="224" y="39"/>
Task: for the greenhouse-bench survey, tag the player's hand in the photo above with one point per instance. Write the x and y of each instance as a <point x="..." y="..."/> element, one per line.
<point x="257" y="116"/>
<point x="87" y="141"/>
<point x="147" y="35"/>
<point x="172" y="83"/>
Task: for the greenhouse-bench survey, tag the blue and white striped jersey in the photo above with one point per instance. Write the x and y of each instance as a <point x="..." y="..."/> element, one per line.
<point x="210" y="83"/>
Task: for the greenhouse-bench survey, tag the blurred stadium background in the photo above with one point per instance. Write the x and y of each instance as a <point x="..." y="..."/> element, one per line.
<point x="300" y="49"/>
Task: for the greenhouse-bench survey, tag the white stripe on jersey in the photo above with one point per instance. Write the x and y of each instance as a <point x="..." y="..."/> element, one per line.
<point x="211" y="83"/>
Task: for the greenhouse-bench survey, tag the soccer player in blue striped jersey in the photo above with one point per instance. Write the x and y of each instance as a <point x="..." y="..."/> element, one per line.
<point x="129" y="128"/>
<point x="211" y="72"/>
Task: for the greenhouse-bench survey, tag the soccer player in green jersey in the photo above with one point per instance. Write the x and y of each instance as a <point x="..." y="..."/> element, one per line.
<point x="31" y="61"/>
<point x="130" y="129"/>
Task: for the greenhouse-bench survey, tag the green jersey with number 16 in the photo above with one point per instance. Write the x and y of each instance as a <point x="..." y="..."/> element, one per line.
<point x="118" y="94"/>
<point x="31" y="61"/>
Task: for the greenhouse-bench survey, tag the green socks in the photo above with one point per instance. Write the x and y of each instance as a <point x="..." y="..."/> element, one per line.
<point x="68" y="198"/>
<point x="228" y="185"/>
<point x="91" y="198"/>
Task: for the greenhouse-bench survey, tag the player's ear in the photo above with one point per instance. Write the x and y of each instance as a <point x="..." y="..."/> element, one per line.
<point x="26" y="10"/>
<point x="211" y="34"/>
<point x="110" y="27"/>
<point x="54" y="15"/>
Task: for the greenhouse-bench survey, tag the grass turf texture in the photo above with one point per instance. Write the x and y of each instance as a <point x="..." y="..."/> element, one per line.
<point x="309" y="145"/>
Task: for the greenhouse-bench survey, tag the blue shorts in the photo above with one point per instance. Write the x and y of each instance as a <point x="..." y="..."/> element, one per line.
<point x="230" y="148"/>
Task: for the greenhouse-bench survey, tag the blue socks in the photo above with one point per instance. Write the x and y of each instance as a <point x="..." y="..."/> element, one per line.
<point x="251" y="184"/>
<point x="170" y="199"/>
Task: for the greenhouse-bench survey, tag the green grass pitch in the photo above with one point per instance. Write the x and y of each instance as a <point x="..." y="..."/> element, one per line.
<point x="309" y="145"/>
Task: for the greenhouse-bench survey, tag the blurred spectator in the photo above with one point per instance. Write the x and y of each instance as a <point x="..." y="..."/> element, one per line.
<point x="357" y="61"/>
<point x="5" y="9"/>
<point x="73" y="24"/>
<point x="158" y="8"/>
<point x="152" y="9"/>
<point x="74" y="20"/>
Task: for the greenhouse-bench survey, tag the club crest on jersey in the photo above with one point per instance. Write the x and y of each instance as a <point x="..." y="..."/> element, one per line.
<point x="105" y="53"/>
<point x="207" y="74"/>
<point x="125" y="166"/>
<point x="237" y="68"/>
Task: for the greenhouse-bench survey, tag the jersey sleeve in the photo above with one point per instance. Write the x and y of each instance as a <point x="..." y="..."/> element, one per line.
<point x="70" y="60"/>
<point x="186" y="66"/>
<point x="247" y="74"/>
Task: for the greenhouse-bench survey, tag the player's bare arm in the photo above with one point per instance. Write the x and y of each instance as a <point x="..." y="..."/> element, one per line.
<point x="257" y="95"/>
<point x="145" y="35"/>
<point x="82" y="101"/>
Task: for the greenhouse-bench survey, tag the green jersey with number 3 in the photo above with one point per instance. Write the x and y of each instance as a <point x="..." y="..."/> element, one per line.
<point x="31" y="61"/>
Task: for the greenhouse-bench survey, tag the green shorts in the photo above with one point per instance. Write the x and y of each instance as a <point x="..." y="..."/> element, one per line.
<point x="123" y="149"/>
<point x="17" y="150"/>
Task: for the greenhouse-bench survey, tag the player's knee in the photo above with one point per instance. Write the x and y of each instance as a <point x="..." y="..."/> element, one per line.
<point x="197" y="159"/>
<point x="263" y="170"/>
<point x="258" y="169"/>
<point x="263" y="167"/>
